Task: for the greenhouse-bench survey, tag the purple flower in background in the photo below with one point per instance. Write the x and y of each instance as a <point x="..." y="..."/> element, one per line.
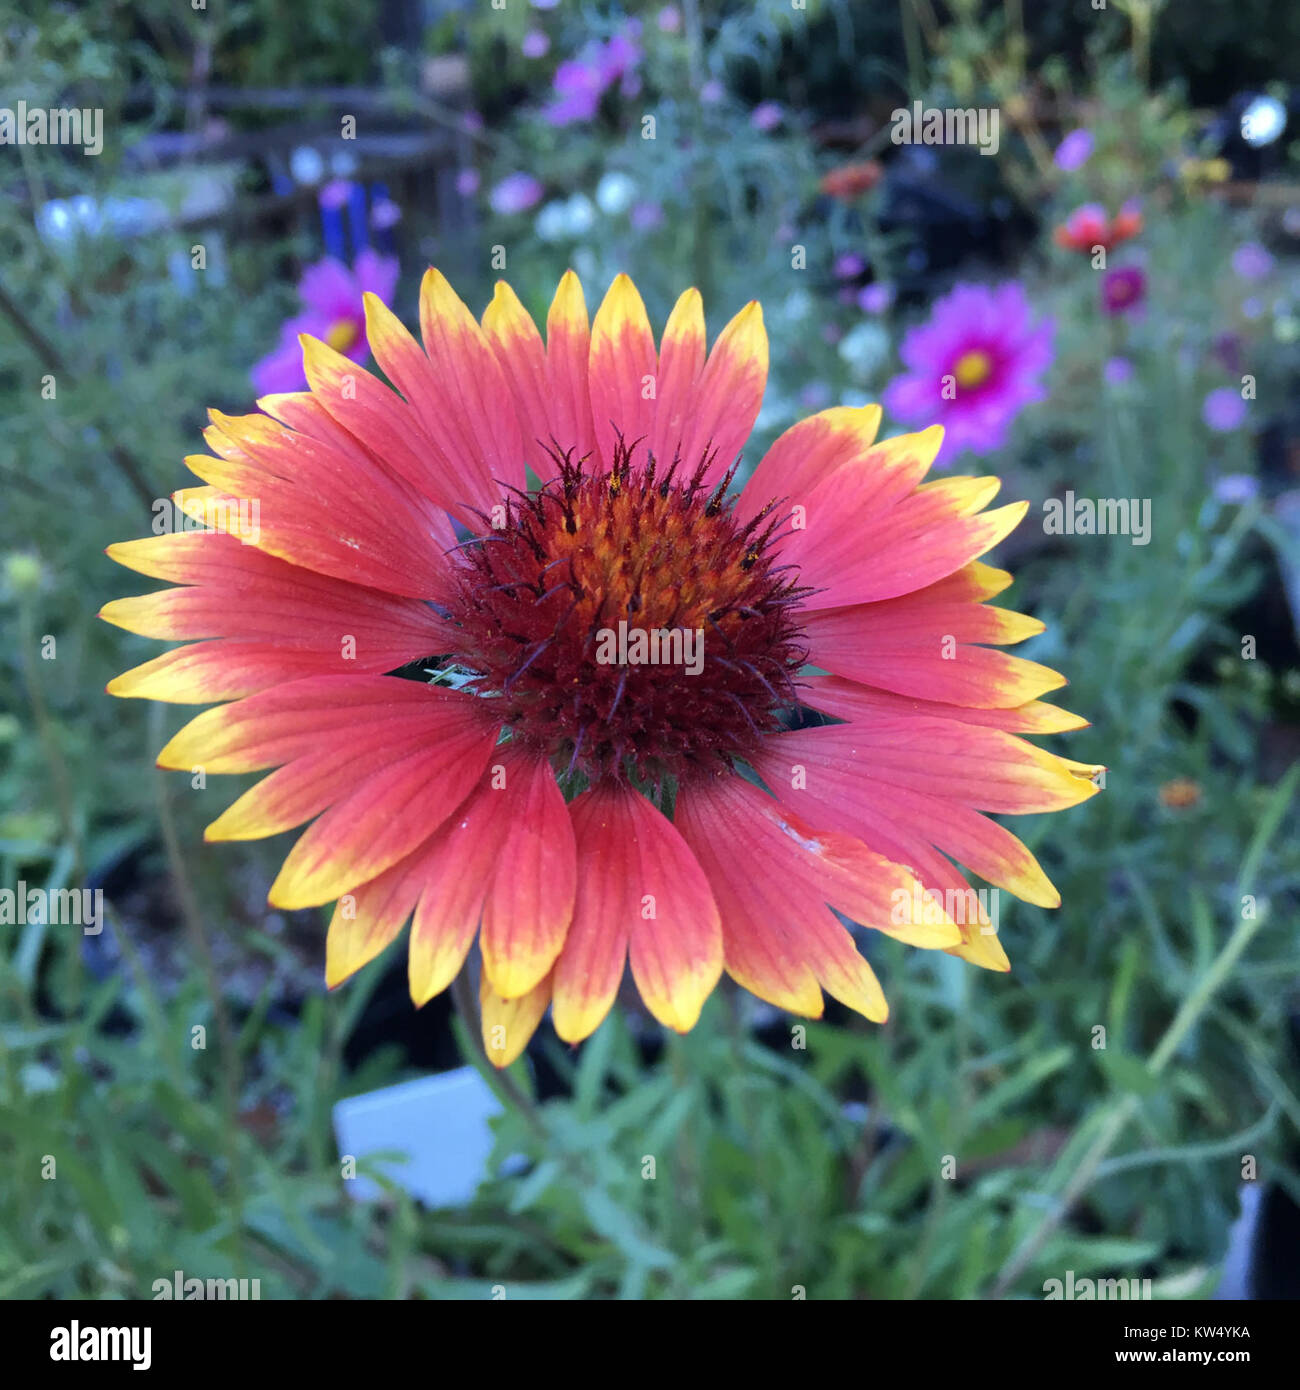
<point x="972" y="367"/>
<point x="670" y="19"/>
<point x="336" y="193"/>
<point x="1123" y="290"/>
<point x="535" y="44"/>
<point x="1236" y="488"/>
<point x="1227" y="350"/>
<point x="617" y="60"/>
<point x="1224" y="409"/>
<point x="515" y="193"/>
<point x="467" y="182"/>
<point x="849" y="266"/>
<point x="645" y="216"/>
<point x="1118" y="371"/>
<point x="384" y="213"/>
<point x="816" y="395"/>
<point x="1074" y="151"/>
<point x="1252" y="262"/>
<point x="580" y="82"/>
<point x="578" y="91"/>
<point x="875" y="298"/>
<point x="332" y="311"/>
<point x="766" y="116"/>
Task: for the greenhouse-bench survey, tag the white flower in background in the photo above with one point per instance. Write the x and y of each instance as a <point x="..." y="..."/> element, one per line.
<point x="776" y="411"/>
<point x="307" y="165"/>
<point x="615" y="192"/>
<point x="797" y="306"/>
<point x="551" y="222"/>
<point x="566" y="219"/>
<point x="580" y="215"/>
<point x="865" y="348"/>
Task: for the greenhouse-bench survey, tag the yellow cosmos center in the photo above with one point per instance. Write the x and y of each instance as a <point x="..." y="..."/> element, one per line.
<point x="342" y="334"/>
<point x="973" y="369"/>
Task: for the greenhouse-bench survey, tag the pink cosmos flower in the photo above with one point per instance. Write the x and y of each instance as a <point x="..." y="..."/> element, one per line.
<point x="334" y="311"/>
<point x="973" y="366"/>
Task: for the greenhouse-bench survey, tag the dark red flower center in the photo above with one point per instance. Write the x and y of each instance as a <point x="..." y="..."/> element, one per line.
<point x="629" y="623"/>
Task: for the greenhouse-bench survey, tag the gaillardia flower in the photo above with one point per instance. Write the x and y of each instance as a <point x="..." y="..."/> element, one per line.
<point x="972" y="367"/>
<point x="1089" y="227"/>
<point x="605" y="768"/>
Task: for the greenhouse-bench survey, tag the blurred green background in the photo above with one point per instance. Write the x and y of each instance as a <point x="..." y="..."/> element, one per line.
<point x="981" y="1142"/>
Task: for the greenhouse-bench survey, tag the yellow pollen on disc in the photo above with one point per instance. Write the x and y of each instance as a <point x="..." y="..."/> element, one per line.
<point x="973" y="369"/>
<point x="342" y="334"/>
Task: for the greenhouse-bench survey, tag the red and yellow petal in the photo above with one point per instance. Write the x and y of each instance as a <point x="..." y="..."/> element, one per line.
<point x="568" y="354"/>
<point x="508" y="1024"/>
<point x="522" y="355"/>
<point x="774" y="879"/>
<point x="727" y="398"/>
<point x="681" y="360"/>
<point x="383" y="819"/>
<point x="640" y="893"/>
<point x="530" y="901"/>
<point x="622" y="373"/>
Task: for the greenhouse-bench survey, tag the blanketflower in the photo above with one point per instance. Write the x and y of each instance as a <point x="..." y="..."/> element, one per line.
<point x="1089" y="227"/>
<point x="398" y="533"/>
<point x="333" y="310"/>
<point x="972" y="366"/>
<point x="848" y="182"/>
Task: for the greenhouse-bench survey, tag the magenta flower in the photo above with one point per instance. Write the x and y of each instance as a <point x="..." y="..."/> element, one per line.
<point x="1123" y="290"/>
<point x="972" y="367"/>
<point x="332" y="311"/>
<point x="1074" y="151"/>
